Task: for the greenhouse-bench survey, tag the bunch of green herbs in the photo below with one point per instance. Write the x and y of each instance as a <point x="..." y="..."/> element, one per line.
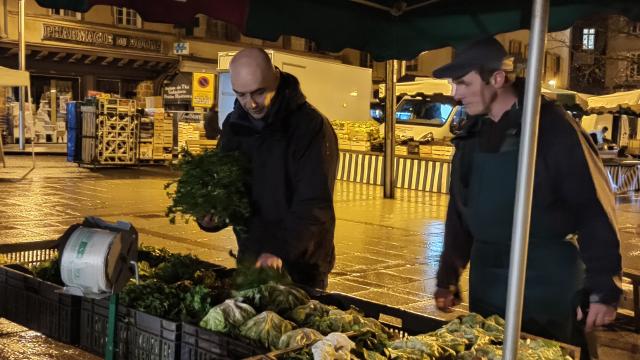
<point x="212" y="183"/>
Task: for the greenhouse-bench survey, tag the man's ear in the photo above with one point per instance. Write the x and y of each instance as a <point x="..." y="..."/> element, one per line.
<point x="499" y="79"/>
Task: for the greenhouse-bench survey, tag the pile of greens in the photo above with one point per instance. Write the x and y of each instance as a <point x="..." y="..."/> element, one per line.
<point x="178" y="287"/>
<point x="266" y="329"/>
<point x="213" y="182"/>
<point x="228" y="316"/>
<point x="471" y="337"/>
<point x="274" y="297"/>
<point x="49" y="271"/>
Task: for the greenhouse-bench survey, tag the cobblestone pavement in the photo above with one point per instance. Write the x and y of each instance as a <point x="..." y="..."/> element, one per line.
<point x="387" y="250"/>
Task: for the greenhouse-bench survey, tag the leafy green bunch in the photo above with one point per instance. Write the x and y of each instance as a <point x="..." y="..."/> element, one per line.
<point x="213" y="182"/>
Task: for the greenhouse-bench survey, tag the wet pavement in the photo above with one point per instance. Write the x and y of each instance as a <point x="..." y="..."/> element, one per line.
<point x="387" y="250"/>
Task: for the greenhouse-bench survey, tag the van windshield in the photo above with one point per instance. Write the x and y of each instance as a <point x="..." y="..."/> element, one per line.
<point x="423" y="112"/>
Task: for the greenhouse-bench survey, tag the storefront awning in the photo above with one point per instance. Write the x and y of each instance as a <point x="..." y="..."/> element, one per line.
<point x="60" y="60"/>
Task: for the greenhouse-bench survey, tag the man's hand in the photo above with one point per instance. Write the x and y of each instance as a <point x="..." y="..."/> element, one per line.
<point x="445" y="299"/>
<point x="269" y="260"/>
<point x="599" y="315"/>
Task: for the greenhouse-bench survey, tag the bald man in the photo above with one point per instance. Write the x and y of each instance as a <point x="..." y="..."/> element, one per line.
<point x="294" y="155"/>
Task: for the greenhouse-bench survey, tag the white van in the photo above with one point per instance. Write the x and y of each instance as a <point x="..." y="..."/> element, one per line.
<point x="427" y="111"/>
<point x="436" y="117"/>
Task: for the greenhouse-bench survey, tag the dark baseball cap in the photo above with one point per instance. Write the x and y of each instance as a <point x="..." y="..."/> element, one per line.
<point x="486" y="53"/>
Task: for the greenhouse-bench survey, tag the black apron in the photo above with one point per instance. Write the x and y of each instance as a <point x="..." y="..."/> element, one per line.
<point x="555" y="271"/>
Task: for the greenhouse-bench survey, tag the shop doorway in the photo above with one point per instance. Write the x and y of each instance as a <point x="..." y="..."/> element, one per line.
<point x="51" y="94"/>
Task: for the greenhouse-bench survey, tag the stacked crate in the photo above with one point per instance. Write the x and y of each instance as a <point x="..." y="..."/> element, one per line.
<point x="342" y="132"/>
<point x="88" y="148"/>
<point x="145" y="142"/>
<point x="117" y="131"/>
<point x="442" y="152"/>
<point x="356" y="135"/>
<point x="188" y="131"/>
<point x="162" y="136"/>
<point x="199" y="146"/>
<point x="426" y="150"/>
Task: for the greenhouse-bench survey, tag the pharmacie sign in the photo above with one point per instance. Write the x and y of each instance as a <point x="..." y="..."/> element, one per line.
<point x="98" y="38"/>
<point x="179" y="90"/>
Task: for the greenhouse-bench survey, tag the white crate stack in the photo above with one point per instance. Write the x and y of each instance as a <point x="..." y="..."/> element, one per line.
<point x="88" y="134"/>
<point x="162" y="136"/>
<point x="189" y="131"/>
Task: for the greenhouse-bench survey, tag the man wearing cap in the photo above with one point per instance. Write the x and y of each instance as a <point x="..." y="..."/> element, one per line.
<point x="572" y="206"/>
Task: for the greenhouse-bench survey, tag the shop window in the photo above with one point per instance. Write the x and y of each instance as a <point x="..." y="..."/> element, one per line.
<point x="66" y="14"/>
<point x="588" y="38"/>
<point x="411" y="65"/>
<point x="127" y="17"/>
<point x="634" y="66"/>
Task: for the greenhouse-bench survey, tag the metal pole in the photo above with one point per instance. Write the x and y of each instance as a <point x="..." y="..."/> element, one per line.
<point x="390" y="129"/>
<point x="22" y="66"/>
<point x="526" y="172"/>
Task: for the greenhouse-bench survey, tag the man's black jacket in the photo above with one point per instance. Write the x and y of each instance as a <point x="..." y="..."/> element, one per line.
<point x="294" y="157"/>
<point x="570" y="186"/>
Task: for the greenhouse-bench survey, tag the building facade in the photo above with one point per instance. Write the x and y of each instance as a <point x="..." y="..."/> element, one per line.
<point x="605" y="55"/>
<point x="556" y="61"/>
<point x="111" y="49"/>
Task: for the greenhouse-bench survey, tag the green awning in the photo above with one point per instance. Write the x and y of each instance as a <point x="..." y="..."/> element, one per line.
<point x="384" y="28"/>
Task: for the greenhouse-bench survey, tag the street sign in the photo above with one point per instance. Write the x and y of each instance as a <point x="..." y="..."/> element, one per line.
<point x="181" y="48"/>
<point x="179" y="91"/>
<point x="203" y="86"/>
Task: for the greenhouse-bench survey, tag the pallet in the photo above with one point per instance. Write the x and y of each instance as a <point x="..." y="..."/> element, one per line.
<point x="154" y="162"/>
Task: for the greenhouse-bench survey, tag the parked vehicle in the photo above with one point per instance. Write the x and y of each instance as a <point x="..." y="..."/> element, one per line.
<point x="339" y="91"/>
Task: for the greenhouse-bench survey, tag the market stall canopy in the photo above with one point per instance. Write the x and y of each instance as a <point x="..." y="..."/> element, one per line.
<point x="567" y="98"/>
<point x="616" y="101"/>
<point x="11" y="77"/>
<point x="387" y="29"/>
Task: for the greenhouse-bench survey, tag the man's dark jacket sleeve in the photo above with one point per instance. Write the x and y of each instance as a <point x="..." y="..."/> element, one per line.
<point x="457" y="244"/>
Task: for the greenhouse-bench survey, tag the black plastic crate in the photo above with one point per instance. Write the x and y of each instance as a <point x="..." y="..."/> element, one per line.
<point x="94" y="316"/>
<point x="402" y="322"/>
<point x="37" y="305"/>
<point x="202" y="344"/>
<point x="139" y="336"/>
<point x="153" y="338"/>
